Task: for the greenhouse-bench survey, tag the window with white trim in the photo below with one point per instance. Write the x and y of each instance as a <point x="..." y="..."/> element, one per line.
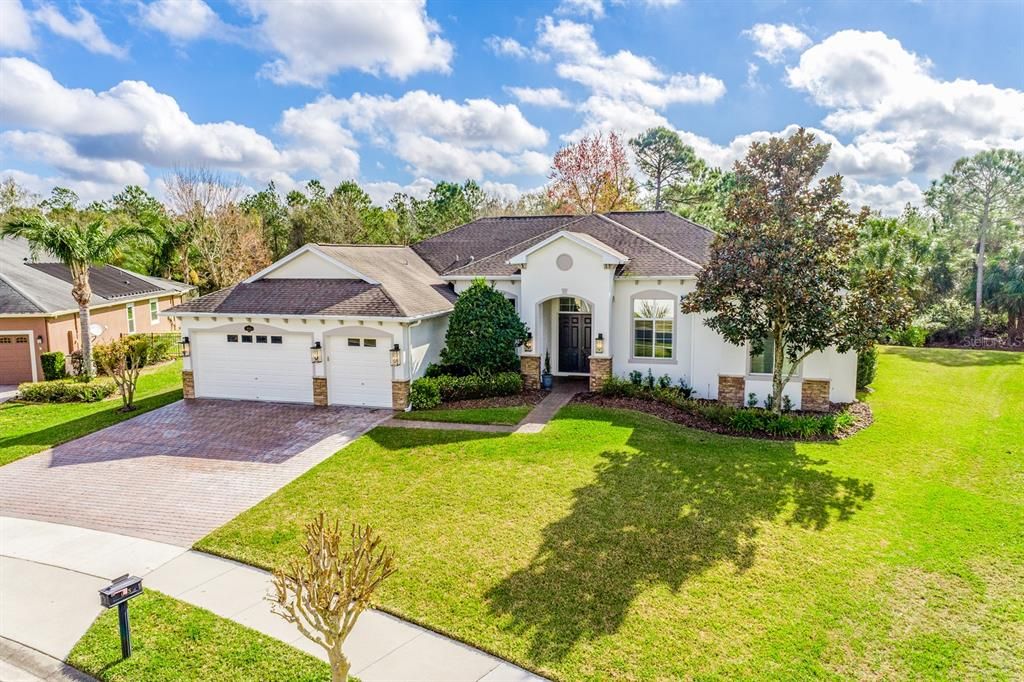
<point x="130" y="308"/>
<point x="653" y="328"/>
<point x="764" y="362"/>
<point x="154" y="311"/>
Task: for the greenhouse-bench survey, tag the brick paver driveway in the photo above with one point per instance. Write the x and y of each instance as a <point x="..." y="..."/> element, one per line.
<point x="176" y="473"/>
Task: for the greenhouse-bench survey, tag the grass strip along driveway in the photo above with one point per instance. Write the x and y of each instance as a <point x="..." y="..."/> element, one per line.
<point x="28" y="428"/>
<point x="617" y="545"/>
<point x="172" y="640"/>
<point x="476" y="415"/>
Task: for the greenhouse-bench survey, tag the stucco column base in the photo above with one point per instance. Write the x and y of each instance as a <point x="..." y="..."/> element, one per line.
<point x="814" y="395"/>
<point x="188" y="385"/>
<point x="320" y="391"/>
<point x="731" y="389"/>
<point x="400" y="395"/>
<point x="529" y="367"/>
<point x="600" y="370"/>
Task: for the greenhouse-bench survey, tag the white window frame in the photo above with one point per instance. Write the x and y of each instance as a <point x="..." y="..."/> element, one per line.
<point x="154" y="311"/>
<point x="797" y="373"/>
<point x="130" y="312"/>
<point x="673" y="319"/>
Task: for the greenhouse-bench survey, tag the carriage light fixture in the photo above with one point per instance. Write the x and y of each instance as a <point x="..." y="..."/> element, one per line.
<point x="316" y="353"/>
<point x="599" y="344"/>
<point x="186" y="347"/>
<point x="528" y="344"/>
<point x="396" y="355"/>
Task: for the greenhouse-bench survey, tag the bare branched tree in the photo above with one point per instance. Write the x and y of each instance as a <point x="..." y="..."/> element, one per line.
<point x="324" y="592"/>
<point x="194" y="195"/>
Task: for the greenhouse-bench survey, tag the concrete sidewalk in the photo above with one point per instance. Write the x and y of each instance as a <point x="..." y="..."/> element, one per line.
<point x="49" y="575"/>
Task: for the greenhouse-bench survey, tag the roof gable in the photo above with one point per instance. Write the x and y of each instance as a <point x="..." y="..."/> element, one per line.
<point x="608" y="255"/>
<point x="310" y="262"/>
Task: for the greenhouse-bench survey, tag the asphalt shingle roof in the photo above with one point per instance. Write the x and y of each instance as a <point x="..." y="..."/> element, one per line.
<point x="296" y="297"/>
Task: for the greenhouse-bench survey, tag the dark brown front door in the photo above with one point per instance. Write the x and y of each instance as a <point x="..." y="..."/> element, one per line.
<point x="573" y="342"/>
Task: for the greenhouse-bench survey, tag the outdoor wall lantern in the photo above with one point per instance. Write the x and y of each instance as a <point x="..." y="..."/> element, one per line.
<point x="186" y="347"/>
<point x="39" y="339"/>
<point x="528" y="344"/>
<point x="316" y="353"/>
<point x="599" y="344"/>
<point x="396" y="355"/>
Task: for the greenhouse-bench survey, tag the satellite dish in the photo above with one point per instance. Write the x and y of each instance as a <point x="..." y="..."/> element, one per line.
<point x="96" y="329"/>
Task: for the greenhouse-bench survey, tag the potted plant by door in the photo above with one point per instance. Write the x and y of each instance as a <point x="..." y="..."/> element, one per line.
<point x="546" y="378"/>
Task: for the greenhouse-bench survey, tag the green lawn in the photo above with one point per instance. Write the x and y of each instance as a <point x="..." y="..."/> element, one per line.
<point x="615" y="545"/>
<point x="478" y="415"/>
<point x="172" y="640"/>
<point x="26" y="429"/>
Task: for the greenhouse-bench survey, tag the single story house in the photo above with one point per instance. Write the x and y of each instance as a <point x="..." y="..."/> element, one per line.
<point x="38" y="314"/>
<point x="353" y="325"/>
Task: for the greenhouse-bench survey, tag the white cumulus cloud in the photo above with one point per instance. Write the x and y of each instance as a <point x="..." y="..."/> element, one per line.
<point x="775" y="40"/>
<point x="541" y="97"/>
<point x="181" y="20"/>
<point x="15" y="27"/>
<point x="318" y="39"/>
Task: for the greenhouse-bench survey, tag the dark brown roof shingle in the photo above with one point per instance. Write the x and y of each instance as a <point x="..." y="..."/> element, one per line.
<point x="297" y="297"/>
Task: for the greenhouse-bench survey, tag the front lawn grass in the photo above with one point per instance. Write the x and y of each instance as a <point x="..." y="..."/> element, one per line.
<point x="478" y="415"/>
<point x="28" y="428"/>
<point x="172" y="640"/>
<point x="616" y="545"/>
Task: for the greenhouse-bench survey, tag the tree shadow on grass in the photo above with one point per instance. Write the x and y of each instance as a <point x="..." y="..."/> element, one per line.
<point x="661" y="516"/>
<point x="958" y="357"/>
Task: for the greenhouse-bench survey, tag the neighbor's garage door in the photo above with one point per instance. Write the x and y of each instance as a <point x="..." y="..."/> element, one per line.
<point x="15" y="359"/>
<point x="358" y="371"/>
<point x="253" y="366"/>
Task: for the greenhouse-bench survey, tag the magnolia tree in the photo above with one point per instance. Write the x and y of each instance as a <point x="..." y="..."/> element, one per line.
<point x="324" y="592"/>
<point x="783" y="275"/>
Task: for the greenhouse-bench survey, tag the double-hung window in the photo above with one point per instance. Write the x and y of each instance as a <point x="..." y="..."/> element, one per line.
<point x="154" y="311"/>
<point x="130" y="308"/>
<point x="653" y="328"/>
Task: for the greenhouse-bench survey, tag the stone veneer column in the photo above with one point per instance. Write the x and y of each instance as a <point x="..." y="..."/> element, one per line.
<point x="188" y="385"/>
<point x="814" y="395"/>
<point x="529" y="367"/>
<point x="600" y="369"/>
<point x="731" y="389"/>
<point x="399" y="395"/>
<point x="320" y="391"/>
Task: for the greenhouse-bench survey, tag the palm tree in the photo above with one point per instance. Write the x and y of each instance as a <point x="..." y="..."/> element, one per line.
<point x="77" y="245"/>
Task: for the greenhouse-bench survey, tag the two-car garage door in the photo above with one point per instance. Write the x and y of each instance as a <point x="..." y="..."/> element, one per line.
<point x="275" y="366"/>
<point x="272" y="366"/>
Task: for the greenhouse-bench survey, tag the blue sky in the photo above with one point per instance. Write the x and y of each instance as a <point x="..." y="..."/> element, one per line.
<point x="399" y="95"/>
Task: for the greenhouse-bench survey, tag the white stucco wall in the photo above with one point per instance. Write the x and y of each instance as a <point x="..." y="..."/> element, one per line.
<point x="426" y="340"/>
<point x="309" y="266"/>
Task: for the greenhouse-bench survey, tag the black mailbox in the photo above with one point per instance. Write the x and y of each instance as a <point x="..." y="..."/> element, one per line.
<point x="121" y="590"/>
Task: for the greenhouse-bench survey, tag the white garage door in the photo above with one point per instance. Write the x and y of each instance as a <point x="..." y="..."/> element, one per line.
<point x="358" y="371"/>
<point x="253" y="366"/>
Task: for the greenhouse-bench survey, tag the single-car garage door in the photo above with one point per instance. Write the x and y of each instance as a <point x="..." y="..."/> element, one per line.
<point x="260" y="365"/>
<point x="15" y="359"/>
<point x="358" y="371"/>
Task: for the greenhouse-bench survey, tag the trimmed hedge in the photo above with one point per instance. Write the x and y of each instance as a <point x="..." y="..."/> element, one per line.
<point x="428" y="392"/>
<point x="745" y="420"/>
<point x="66" y="391"/>
<point x="867" y="366"/>
<point x="53" y="365"/>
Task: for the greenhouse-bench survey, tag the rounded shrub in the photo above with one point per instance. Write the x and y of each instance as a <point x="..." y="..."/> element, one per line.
<point x="53" y="365"/>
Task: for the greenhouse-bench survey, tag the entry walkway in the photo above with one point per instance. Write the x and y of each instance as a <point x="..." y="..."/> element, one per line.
<point x="49" y="575"/>
<point x="561" y="394"/>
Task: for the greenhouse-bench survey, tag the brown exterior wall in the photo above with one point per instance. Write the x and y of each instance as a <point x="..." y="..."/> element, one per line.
<point x="814" y="395"/>
<point x="600" y="369"/>
<point x="188" y="385"/>
<point x="320" y="391"/>
<point x="54" y="330"/>
<point x="529" y="367"/>
<point x="399" y="395"/>
<point x="731" y="389"/>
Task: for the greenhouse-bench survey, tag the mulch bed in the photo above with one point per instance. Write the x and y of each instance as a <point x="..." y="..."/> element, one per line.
<point x="861" y="412"/>
<point x="524" y="398"/>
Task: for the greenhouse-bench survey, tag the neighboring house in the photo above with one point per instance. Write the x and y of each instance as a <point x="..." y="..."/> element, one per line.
<point x="352" y="325"/>
<point x="38" y="314"/>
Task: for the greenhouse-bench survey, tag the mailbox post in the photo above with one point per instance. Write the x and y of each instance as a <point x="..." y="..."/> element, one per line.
<point x="117" y="594"/>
